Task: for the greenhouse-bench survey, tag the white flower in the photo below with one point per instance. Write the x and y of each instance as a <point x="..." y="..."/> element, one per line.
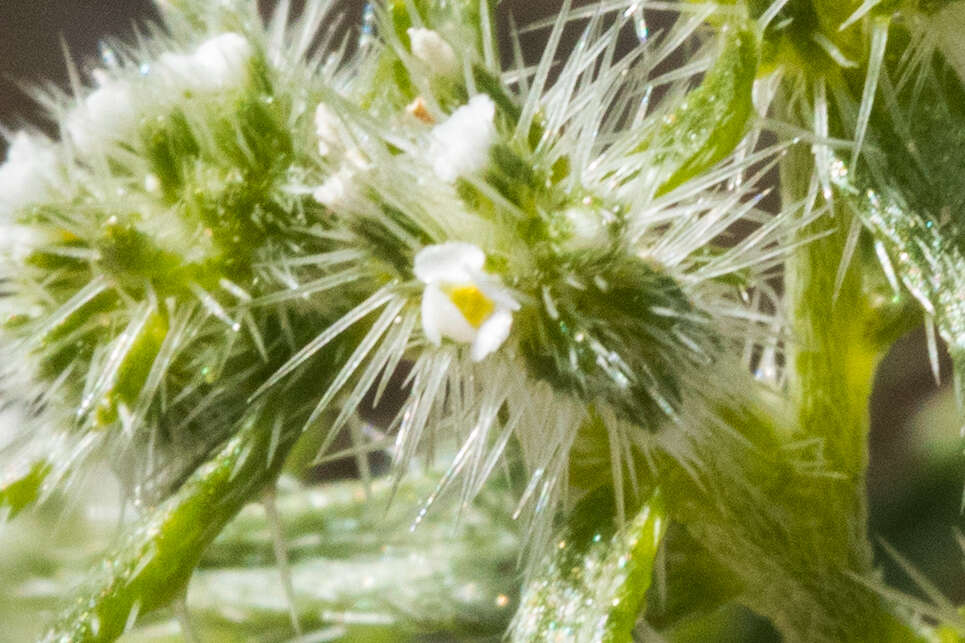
<point x="27" y="174"/>
<point x="430" y="48"/>
<point x="217" y="64"/>
<point x="460" y="144"/>
<point x="106" y="114"/>
<point x="461" y="301"/>
<point x="223" y="60"/>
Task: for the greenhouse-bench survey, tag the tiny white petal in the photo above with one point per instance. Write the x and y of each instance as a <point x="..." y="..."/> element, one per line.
<point x="460" y="144"/>
<point x="495" y="290"/>
<point x="491" y="334"/>
<point x="432" y="49"/>
<point x="443" y="318"/>
<point x="452" y="262"/>
<point x="430" y="325"/>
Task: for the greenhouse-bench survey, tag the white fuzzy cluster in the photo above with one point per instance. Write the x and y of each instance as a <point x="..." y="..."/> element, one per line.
<point x="460" y="145"/>
<point x="219" y="63"/>
<point x="27" y="177"/>
<point x="433" y="51"/>
<point x="435" y="301"/>
<point x="112" y="111"/>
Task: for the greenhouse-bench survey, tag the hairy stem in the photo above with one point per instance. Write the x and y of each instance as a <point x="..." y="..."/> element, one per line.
<point x="832" y="361"/>
<point x="155" y="563"/>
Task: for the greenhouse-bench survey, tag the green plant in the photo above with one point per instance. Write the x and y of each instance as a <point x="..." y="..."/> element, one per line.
<point x="630" y="371"/>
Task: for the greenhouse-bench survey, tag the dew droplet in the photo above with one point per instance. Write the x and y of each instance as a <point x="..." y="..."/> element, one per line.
<point x="108" y="55"/>
<point x="367" y="33"/>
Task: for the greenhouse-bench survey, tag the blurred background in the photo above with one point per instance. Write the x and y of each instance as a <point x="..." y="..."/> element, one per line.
<point x="916" y="473"/>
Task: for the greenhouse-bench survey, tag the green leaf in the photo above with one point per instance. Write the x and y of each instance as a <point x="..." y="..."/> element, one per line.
<point x="713" y="118"/>
<point x="23" y="490"/>
<point x="153" y="565"/>
<point x="593" y="585"/>
<point x="909" y="189"/>
<point x="696" y="582"/>
<point x="355" y="557"/>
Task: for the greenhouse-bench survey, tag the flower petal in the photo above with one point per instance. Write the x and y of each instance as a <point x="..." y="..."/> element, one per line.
<point x="453" y="262"/>
<point x="491" y="334"/>
<point x="429" y="47"/>
<point x="442" y="318"/>
<point x="223" y="60"/>
<point x="460" y="145"/>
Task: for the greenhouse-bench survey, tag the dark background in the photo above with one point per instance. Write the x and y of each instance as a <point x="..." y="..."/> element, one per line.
<point x="915" y="487"/>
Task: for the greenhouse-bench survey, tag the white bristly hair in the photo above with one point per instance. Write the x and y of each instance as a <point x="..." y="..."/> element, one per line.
<point x="284" y="206"/>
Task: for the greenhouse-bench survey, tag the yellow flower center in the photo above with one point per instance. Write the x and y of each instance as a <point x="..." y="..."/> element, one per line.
<point x="472" y="303"/>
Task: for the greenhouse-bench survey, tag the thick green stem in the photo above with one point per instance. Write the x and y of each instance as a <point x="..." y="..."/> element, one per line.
<point x="155" y="564"/>
<point x="832" y="359"/>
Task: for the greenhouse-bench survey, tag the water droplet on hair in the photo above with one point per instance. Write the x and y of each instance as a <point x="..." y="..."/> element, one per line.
<point x="367" y="34"/>
<point x="108" y="55"/>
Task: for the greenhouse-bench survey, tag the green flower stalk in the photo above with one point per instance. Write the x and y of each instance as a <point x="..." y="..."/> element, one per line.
<point x="245" y="231"/>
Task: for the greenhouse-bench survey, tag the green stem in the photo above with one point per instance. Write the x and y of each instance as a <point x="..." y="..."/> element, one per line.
<point x="832" y="359"/>
<point x="155" y="563"/>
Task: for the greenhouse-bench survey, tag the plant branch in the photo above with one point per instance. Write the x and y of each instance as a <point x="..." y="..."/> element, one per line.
<point x="155" y="563"/>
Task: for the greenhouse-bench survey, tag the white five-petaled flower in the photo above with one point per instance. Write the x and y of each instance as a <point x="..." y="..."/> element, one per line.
<point x="461" y="301"/>
<point x="460" y="144"/>
<point x="430" y="48"/>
